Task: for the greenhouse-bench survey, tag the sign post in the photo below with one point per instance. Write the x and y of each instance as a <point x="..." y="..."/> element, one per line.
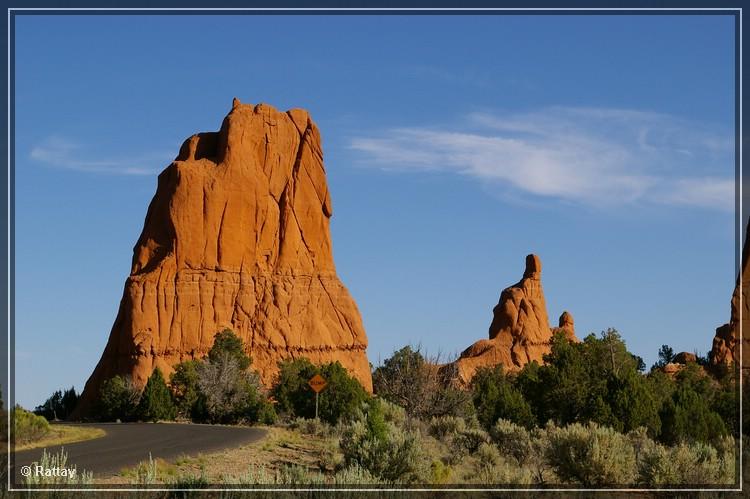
<point x="317" y="383"/>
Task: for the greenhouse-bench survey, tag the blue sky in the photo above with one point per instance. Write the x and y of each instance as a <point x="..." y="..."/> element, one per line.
<point x="454" y="145"/>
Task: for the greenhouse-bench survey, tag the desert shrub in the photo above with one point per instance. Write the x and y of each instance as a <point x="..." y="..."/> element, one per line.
<point x="297" y="475"/>
<point x="699" y="464"/>
<point x="191" y="480"/>
<point x="58" y="406"/>
<point x="469" y="440"/>
<point x="186" y="393"/>
<point x="340" y="399"/>
<point x="416" y="382"/>
<point x="118" y="399"/>
<point x="689" y="464"/>
<point x="57" y="461"/>
<point x="501" y="473"/>
<point x="146" y="472"/>
<point x="591" y="455"/>
<point x="156" y="400"/>
<point x="230" y="393"/>
<point x="26" y="426"/>
<point x="355" y="475"/>
<point x="310" y="426"/>
<point x="446" y="426"/>
<point x="495" y="398"/>
<point x="393" y="413"/>
<point x="285" y="475"/>
<point x="384" y="450"/>
<point x="488" y="456"/>
<point x="440" y="473"/>
<point x="512" y="440"/>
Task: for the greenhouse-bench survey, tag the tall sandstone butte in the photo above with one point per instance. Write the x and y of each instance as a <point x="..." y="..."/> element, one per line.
<point x="237" y="236"/>
<point x="520" y="330"/>
<point x="726" y="344"/>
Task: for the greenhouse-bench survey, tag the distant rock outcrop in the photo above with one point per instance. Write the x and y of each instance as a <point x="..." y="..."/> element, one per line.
<point x="726" y="345"/>
<point x="679" y="362"/>
<point x="237" y="236"/>
<point x="520" y="330"/>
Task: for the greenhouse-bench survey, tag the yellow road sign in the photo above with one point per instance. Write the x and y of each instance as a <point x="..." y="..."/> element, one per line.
<point x="317" y="383"/>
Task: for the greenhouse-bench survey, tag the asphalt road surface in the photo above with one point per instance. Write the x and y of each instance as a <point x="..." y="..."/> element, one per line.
<point x="127" y="444"/>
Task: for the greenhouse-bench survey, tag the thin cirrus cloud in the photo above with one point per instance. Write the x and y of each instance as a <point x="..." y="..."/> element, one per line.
<point x="63" y="153"/>
<point x="592" y="156"/>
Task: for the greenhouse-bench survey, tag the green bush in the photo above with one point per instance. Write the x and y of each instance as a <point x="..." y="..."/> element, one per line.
<point x="573" y="384"/>
<point x="264" y="412"/>
<point x="156" y="400"/>
<point x="687" y="416"/>
<point x="186" y="393"/>
<point x="591" y="455"/>
<point x="26" y="426"/>
<point x="228" y="343"/>
<point x="384" y="450"/>
<point x="495" y="398"/>
<point x="118" y="399"/>
<point x="631" y="403"/>
<point x="340" y="399"/>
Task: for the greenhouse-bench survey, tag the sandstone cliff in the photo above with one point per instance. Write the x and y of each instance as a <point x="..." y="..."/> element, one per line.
<point x="726" y="344"/>
<point x="520" y="330"/>
<point x="237" y="236"/>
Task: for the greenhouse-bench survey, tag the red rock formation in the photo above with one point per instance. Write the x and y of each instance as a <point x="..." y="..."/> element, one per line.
<point x="726" y="345"/>
<point x="237" y="236"/>
<point x="566" y="326"/>
<point x="520" y="330"/>
<point x="684" y="358"/>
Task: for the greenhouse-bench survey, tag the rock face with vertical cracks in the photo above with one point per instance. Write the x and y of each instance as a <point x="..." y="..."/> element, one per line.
<point x="237" y="236"/>
<point x="726" y="345"/>
<point x="520" y="330"/>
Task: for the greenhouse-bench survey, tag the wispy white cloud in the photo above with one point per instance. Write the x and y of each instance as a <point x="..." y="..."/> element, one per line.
<point x="63" y="153"/>
<point x="595" y="156"/>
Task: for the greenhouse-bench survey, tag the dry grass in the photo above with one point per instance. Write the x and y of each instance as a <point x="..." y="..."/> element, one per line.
<point x="281" y="447"/>
<point x="63" y="434"/>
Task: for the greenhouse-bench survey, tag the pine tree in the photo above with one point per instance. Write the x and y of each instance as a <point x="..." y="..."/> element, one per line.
<point x="156" y="401"/>
<point x="227" y="342"/>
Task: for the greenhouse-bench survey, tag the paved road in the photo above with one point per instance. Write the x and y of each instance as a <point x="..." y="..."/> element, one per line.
<point x="128" y="444"/>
